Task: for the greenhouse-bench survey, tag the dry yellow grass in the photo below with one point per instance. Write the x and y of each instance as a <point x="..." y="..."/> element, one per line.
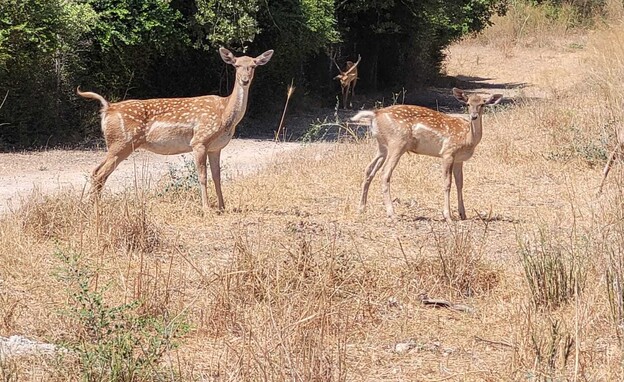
<point x="290" y="283"/>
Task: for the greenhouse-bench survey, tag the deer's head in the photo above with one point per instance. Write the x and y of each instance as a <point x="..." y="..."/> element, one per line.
<point x="475" y="102"/>
<point x="348" y="75"/>
<point x="245" y="65"/>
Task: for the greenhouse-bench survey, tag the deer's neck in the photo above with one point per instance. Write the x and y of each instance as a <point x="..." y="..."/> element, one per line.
<point x="236" y="105"/>
<point x="475" y="132"/>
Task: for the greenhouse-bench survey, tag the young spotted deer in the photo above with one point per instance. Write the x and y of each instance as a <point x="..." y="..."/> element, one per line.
<point x="203" y="125"/>
<point x="348" y="79"/>
<point x="619" y="149"/>
<point x="403" y="128"/>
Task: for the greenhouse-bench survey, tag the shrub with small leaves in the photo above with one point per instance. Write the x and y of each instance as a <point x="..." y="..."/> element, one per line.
<point x="113" y="343"/>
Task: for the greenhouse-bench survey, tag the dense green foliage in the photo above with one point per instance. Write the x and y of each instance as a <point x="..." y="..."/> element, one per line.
<point x="167" y="48"/>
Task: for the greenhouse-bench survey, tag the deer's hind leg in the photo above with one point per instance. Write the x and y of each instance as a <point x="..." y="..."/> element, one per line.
<point x="120" y="145"/>
<point x="393" y="159"/>
<point x="371" y="170"/>
<point x="214" y="158"/>
<point x="200" y="155"/>
<point x="115" y="155"/>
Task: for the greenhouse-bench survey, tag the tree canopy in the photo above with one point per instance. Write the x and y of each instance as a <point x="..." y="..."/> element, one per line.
<point x="167" y="48"/>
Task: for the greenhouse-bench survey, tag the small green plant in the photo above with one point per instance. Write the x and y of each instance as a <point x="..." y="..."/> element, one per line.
<point x="590" y="149"/>
<point x="183" y="179"/>
<point x="317" y="131"/>
<point x="554" y="272"/>
<point x="113" y="343"/>
<point x="575" y="142"/>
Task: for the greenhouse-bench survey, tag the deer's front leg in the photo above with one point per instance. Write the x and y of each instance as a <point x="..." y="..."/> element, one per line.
<point x="447" y="168"/>
<point x="458" y="174"/>
<point x="215" y="168"/>
<point x="199" y="152"/>
<point x="391" y="163"/>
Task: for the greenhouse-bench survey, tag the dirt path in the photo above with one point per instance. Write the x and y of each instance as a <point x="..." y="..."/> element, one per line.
<point x="532" y="73"/>
<point x="50" y="171"/>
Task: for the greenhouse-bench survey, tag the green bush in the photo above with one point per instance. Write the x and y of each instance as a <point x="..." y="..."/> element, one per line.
<point x="167" y="48"/>
<point x="113" y="343"/>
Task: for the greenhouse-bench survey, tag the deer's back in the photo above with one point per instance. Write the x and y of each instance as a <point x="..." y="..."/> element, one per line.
<point x="423" y="130"/>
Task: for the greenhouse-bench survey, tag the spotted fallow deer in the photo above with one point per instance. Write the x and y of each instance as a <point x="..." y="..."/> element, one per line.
<point x="203" y="125"/>
<point x="403" y="128"/>
<point x="348" y="79"/>
<point x="619" y="149"/>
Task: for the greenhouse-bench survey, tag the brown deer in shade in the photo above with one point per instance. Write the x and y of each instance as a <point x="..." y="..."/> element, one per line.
<point x="403" y="128"/>
<point x="348" y="79"/>
<point x="202" y="125"/>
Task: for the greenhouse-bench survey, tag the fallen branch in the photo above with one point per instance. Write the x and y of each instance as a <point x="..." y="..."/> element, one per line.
<point x="494" y="342"/>
<point x="439" y="303"/>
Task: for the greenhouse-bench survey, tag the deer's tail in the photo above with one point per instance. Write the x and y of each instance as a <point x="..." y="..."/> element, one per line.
<point x="363" y="114"/>
<point x="93" y="96"/>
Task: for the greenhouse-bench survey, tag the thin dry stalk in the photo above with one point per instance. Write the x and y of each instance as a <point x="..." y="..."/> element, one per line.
<point x="289" y="93"/>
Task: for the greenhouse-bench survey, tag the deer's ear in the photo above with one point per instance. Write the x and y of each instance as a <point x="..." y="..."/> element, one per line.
<point x="227" y="56"/>
<point x="264" y="57"/>
<point x="459" y="94"/>
<point x="494" y="99"/>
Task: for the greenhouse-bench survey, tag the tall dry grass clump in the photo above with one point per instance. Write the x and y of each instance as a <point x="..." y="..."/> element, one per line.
<point x="460" y="265"/>
<point x="122" y="223"/>
<point x="287" y="308"/>
<point x="553" y="266"/>
<point x="611" y="246"/>
<point x="48" y="217"/>
<point x="606" y="68"/>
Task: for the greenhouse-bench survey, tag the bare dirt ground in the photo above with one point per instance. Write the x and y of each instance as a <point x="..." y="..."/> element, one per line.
<point x="530" y="73"/>
<point x="50" y="171"/>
